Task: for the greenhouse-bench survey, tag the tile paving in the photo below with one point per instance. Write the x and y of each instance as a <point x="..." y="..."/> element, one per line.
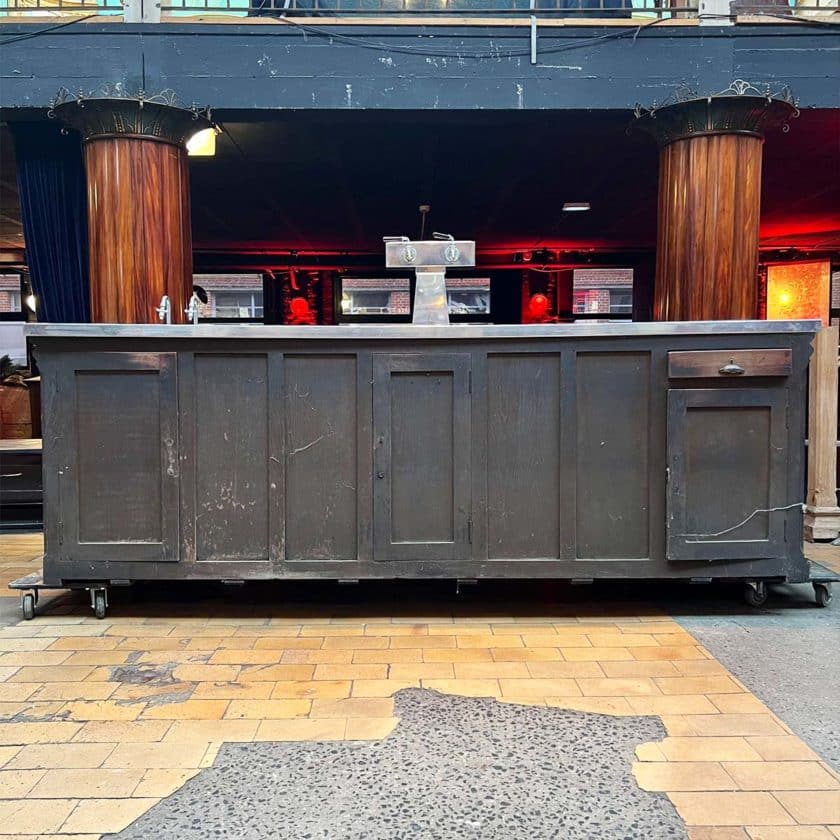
<point x="102" y="720"/>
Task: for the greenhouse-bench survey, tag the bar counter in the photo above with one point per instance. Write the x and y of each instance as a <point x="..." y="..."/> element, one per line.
<point x="582" y="451"/>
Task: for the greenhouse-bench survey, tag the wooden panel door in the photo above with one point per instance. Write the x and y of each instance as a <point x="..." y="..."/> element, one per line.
<point x="322" y="421"/>
<point x="421" y="417"/>
<point x="727" y="463"/>
<point x="119" y="480"/>
<point x="236" y="444"/>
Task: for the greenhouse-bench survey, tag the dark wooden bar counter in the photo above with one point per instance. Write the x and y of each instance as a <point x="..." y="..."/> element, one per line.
<point x="661" y="450"/>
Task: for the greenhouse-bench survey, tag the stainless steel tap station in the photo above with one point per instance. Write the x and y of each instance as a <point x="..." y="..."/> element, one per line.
<point x="429" y="258"/>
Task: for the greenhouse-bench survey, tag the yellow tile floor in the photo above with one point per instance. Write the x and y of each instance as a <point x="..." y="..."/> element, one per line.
<point x="87" y="754"/>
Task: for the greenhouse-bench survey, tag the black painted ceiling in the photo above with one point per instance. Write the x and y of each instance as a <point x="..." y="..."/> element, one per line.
<point x="315" y="181"/>
<point x="338" y="181"/>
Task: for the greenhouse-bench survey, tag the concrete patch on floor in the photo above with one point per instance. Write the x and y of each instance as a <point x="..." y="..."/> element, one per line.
<point x="788" y="658"/>
<point x="453" y="767"/>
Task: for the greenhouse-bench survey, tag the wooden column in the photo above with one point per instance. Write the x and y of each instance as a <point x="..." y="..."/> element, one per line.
<point x="822" y="516"/>
<point x="139" y="232"/>
<point x="709" y="203"/>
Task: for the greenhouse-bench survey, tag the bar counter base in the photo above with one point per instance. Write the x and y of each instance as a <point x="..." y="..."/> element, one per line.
<point x="597" y="451"/>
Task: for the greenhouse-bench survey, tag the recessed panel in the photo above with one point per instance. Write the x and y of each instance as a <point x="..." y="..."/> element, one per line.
<point x="119" y="456"/>
<point x="523" y="456"/>
<point x="613" y="490"/>
<point x="321" y="451"/>
<point x="422" y="456"/>
<point x="727" y="472"/>
<point x="231" y="461"/>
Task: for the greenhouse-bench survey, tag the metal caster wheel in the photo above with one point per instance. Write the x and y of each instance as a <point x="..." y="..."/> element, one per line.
<point x="822" y="594"/>
<point x="755" y="594"/>
<point x="99" y="602"/>
<point x="27" y="605"/>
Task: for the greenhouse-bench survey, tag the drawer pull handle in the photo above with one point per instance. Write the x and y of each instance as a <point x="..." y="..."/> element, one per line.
<point x="731" y="369"/>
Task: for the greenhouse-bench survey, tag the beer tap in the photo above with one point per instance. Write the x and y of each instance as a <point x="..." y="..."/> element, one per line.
<point x="192" y="309"/>
<point x="164" y="310"/>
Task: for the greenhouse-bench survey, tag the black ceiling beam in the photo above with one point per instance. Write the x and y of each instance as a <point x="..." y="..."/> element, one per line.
<point x="238" y="67"/>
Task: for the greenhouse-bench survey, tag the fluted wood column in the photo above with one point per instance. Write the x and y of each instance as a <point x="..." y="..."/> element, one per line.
<point x="709" y="204"/>
<point x="139" y="232"/>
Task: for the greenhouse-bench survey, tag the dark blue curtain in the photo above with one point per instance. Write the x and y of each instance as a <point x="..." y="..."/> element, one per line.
<point x="53" y="206"/>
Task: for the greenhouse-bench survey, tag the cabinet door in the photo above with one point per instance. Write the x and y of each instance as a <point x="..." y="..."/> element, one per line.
<point x="421" y="416"/>
<point x="119" y="478"/>
<point x="727" y="464"/>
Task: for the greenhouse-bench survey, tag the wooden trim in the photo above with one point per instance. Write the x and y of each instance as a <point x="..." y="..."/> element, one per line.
<point x="430" y="20"/>
<point x="694" y="364"/>
<point x="822" y="516"/>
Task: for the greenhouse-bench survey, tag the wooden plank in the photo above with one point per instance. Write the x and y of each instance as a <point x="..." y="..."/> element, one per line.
<point x="822" y="516"/>
<point x="232" y="457"/>
<point x="523" y="455"/>
<point x="612" y="469"/>
<point x="696" y="364"/>
<point x="20" y="445"/>
<point x="321" y="457"/>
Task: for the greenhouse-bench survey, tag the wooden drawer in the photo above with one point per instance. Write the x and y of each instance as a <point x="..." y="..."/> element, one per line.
<point x="728" y="364"/>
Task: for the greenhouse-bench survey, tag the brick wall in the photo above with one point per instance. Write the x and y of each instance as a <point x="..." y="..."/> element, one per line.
<point x="213" y="283"/>
<point x="10" y="293"/>
<point x="400" y="302"/>
<point x="613" y="278"/>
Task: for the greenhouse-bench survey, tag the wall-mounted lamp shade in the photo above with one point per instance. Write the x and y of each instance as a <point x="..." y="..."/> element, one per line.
<point x="202" y="143"/>
<point x="576" y="206"/>
<point x="798" y="291"/>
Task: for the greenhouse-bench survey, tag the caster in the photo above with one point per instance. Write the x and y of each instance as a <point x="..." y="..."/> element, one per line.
<point x="822" y="594"/>
<point x="27" y="605"/>
<point x="99" y="602"/>
<point x="755" y="593"/>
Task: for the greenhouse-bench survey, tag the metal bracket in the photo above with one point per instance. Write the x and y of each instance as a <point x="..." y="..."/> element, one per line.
<point x="715" y="13"/>
<point x="533" y="33"/>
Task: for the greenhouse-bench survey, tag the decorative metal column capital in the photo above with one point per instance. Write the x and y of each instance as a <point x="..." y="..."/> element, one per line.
<point x="743" y="108"/>
<point x="116" y="113"/>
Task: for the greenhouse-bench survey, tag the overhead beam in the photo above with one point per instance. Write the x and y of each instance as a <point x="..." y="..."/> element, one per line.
<point x="249" y="66"/>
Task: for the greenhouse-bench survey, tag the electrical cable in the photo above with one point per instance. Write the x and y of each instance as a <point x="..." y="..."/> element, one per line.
<point x="379" y="46"/>
<point x="744" y="521"/>
<point x="27" y="35"/>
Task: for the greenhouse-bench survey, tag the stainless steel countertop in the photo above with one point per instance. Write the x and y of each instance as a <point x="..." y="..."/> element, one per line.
<point x="408" y="331"/>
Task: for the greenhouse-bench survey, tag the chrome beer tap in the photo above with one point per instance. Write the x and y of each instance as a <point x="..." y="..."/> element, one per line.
<point x="192" y="309"/>
<point x="164" y="310"/>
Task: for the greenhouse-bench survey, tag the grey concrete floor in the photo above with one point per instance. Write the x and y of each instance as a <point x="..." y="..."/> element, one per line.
<point x="787" y="654"/>
<point x="454" y="767"/>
